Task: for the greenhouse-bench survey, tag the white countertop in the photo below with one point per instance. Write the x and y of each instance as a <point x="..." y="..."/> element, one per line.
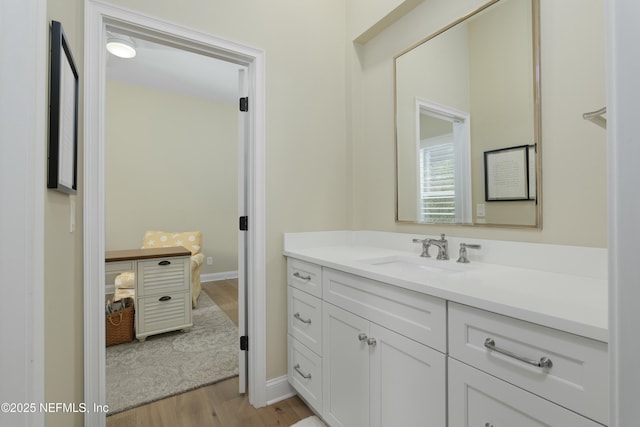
<point x="568" y="302"/>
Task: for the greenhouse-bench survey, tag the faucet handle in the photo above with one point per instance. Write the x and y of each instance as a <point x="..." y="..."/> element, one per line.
<point x="426" y="243"/>
<point x="470" y="246"/>
<point x="463" y="251"/>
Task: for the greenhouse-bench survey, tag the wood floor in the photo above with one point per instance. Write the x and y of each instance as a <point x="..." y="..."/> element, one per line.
<point x="216" y="405"/>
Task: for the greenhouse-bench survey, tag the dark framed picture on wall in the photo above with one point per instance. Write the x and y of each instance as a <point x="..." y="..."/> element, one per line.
<point x="63" y="115"/>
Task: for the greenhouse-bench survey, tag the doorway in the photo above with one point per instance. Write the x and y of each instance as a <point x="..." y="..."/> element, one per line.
<point x="99" y="16"/>
<point x="171" y="163"/>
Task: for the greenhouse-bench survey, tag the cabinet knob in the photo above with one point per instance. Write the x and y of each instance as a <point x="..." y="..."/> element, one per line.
<point x="372" y="341"/>
<point x="362" y="336"/>
<point x="488" y="425"/>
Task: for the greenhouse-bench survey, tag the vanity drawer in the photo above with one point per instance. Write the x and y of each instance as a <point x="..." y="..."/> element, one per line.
<point x="420" y="317"/>
<point x="305" y="373"/>
<point x="163" y="275"/>
<point x="577" y="378"/>
<point x="478" y="399"/>
<point x="305" y="319"/>
<point x="305" y="276"/>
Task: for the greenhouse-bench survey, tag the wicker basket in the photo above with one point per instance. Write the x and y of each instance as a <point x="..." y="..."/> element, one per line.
<point x="119" y="326"/>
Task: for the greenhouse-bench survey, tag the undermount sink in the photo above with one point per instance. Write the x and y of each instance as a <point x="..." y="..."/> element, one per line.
<point x="405" y="263"/>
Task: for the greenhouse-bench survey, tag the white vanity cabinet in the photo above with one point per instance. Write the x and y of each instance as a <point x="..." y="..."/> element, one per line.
<point x="304" y="326"/>
<point x="477" y="399"/>
<point x="373" y="376"/>
<point x="383" y="353"/>
<point x="519" y="373"/>
<point x="376" y="358"/>
<point x="364" y="352"/>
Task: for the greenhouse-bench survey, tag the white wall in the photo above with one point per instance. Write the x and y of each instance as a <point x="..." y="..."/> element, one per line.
<point x="171" y="165"/>
<point x="623" y="101"/>
<point x="23" y="47"/>
<point x="573" y="150"/>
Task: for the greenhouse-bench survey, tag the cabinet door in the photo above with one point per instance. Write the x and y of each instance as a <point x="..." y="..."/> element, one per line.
<point x="345" y="368"/>
<point x="407" y="382"/>
<point x="479" y="399"/>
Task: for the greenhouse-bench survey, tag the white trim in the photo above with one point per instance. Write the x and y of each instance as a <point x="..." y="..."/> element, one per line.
<point x="214" y="277"/>
<point x="279" y="389"/>
<point x="22" y="157"/>
<point x="623" y="150"/>
<point x="97" y="15"/>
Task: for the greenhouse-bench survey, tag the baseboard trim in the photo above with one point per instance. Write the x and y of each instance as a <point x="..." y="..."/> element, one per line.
<point x="213" y="277"/>
<point x="278" y="389"/>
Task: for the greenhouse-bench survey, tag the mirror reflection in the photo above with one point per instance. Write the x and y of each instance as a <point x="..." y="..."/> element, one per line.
<point x="469" y="89"/>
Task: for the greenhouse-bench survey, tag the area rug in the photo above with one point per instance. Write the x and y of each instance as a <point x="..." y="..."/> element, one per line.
<point x="173" y="362"/>
<point x="311" y="421"/>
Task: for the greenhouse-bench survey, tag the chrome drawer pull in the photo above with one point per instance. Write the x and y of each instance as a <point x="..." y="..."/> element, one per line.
<point x="372" y="342"/>
<point x="300" y="276"/>
<point x="362" y="336"/>
<point x="302" y="374"/>
<point x="544" y="362"/>
<point x="165" y="262"/>
<point x="297" y="316"/>
<point x="488" y="425"/>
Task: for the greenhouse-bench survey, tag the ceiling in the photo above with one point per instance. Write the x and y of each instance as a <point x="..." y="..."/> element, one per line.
<point x="167" y="68"/>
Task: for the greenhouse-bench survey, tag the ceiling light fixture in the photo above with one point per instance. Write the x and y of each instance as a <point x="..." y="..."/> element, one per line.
<point x="121" y="46"/>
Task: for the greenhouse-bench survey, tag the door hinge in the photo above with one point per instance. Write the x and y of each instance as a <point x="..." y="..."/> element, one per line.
<point x="244" y="103"/>
<point x="244" y="223"/>
<point x="244" y="343"/>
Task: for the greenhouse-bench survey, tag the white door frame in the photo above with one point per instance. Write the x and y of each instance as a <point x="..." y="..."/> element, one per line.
<point x="98" y="14"/>
<point x="23" y="154"/>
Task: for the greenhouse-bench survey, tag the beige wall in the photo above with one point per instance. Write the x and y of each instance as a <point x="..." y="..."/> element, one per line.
<point x="63" y="295"/>
<point x="573" y="150"/>
<point x="171" y="164"/>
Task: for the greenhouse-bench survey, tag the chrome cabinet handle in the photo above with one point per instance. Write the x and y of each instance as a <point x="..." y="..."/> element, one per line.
<point x="488" y="425"/>
<point x="297" y="316"/>
<point x="372" y="341"/>
<point x="362" y="336"/>
<point x="300" y="276"/>
<point x="302" y="374"/>
<point x="544" y="362"/>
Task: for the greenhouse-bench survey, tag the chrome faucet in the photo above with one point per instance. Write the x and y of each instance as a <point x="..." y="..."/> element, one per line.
<point x="425" y="246"/>
<point x="463" y="251"/>
<point x="443" y="247"/>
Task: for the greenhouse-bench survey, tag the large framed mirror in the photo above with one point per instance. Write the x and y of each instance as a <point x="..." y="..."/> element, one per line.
<point x="470" y="89"/>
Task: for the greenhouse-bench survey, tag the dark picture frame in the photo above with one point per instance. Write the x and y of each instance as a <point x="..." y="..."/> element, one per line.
<point x="63" y="115"/>
<point x="506" y="174"/>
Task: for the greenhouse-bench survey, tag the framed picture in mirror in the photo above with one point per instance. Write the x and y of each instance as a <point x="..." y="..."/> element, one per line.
<point x="506" y="174"/>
